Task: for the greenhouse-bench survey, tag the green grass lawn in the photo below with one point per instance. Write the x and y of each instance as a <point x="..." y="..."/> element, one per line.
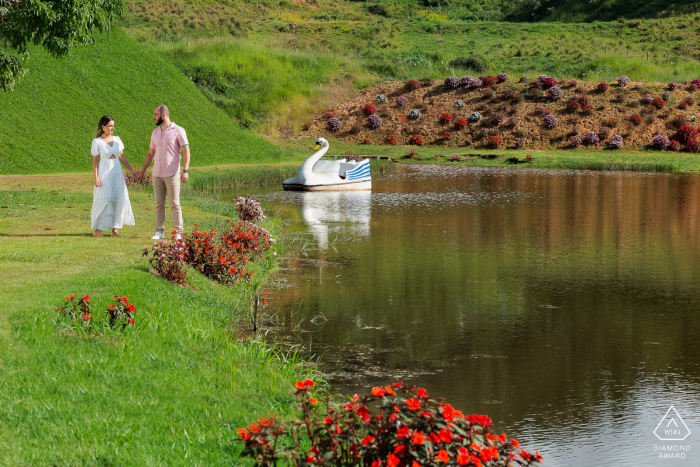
<point x="171" y="391"/>
<point x="47" y="123"/>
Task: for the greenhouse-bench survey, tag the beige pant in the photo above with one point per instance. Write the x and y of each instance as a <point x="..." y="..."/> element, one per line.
<point x="171" y="187"/>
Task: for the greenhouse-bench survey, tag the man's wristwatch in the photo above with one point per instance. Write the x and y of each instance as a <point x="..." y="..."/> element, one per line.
<point x="185" y="170"/>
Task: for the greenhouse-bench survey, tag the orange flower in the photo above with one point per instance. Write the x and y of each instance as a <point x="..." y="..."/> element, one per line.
<point x="515" y="443"/>
<point x="313" y="401"/>
<point x="392" y="460"/>
<point x="443" y="456"/>
<point x="328" y="420"/>
<point x="376" y="463"/>
<point x="389" y="390"/>
<point x="378" y="392"/>
<point x="300" y="385"/>
<point x="413" y="404"/>
<point x="417" y="438"/>
<point x="400" y="450"/>
<point x="445" y="436"/>
<point x="242" y="432"/>
<point x="415" y="464"/>
<point x="422" y="392"/>
<point x="403" y="431"/>
<point x="367" y="440"/>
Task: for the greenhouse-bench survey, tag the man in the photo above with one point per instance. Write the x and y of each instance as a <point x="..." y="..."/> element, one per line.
<point x="166" y="142"/>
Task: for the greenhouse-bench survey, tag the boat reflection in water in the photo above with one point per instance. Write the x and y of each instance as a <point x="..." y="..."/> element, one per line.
<point x="348" y="212"/>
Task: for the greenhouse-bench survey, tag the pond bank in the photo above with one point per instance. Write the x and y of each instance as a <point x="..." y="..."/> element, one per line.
<point x="172" y="390"/>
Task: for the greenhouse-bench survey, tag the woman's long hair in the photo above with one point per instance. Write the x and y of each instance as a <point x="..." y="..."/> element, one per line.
<point x="103" y="121"/>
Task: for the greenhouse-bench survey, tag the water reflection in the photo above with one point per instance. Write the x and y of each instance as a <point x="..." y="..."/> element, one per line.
<point x="563" y="304"/>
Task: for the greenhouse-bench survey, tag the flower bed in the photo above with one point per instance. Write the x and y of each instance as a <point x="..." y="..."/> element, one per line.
<point x="416" y="140"/>
<point x="494" y="142"/>
<point x="603" y="87"/>
<point x="412" y="85"/>
<point x="369" y="109"/>
<point x="390" y="139"/>
<point x="636" y="119"/>
<point x="460" y="123"/>
<point x="446" y="118"/>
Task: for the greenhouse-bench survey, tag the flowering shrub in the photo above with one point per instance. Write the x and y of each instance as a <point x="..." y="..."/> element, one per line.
<point x="587" y="109"/>
<point x="328" y="114"/>
<point x="374" y="121"/>
<point x="679" y="120"/>
<point x="692" y="146"/>
<point x="603" y="132"/>
<point x="355" y="128"/>
<point x="427" y="82"/>
<point x="683" y="105"/>
<point x="474" y="117"/>
<point x="445" y="118"/>
<point x="660" y="142"/>
<point x="603" y="86"/>
<point x="555" y="93"/>
<point x="460" y="122"/>
<point x="248" y="209"/>
<point x="573" y="105"/>
<point x="459" y="104"/>
<point x="502" y="77"/>
<point x="620" y="98"/>
<point x="365" y="140"/>
<point x="412" y="85"/>
<point x="223" y="256"/>
<point x="542" y="77"/>
<point x="409" y="426"/>
<point x="168" y="260"/>
<point x="636" y="119"/>
<point x="466" y="81"/>
<point x="333" y="124"/>
<point x="673" y="86"/>
<point x="369" y="109"/>
<point x="487" y="93"/>
<point x="549" y="82"/>
<point x="689" y="99"/>
<point x="494" y="142"/>
<point x="584" y="100"/>
<point x="121" y="312"/>
<point x="488" y="80"/>
<point x="401" y="101"/>
<point x="76" y="311"/>
<point x="390" y="139"/>
<point x="633" y="103"/>
<point x="550" y="121"/>
<point x="647" y="99"/>
<point x="380" y="99"/>
<point x="591" y="137"/>
<point x="497" y="117"/>
<point x="446" y="135"/>
<point x="617" y="143"/>
<point x="575" y="141"/>
<point x="414" y="114"/>
<point x="519" y="143"/>
<point x="451" y="82"/>
<point x="696" y="83"/>
<point x="674" y="145"/>
<point x="685" y="134"/>
<point x="623" y="80"/>
<point x="454" y="157"/>
<point x="416" y="140"/>
<point x="306" y="126"/>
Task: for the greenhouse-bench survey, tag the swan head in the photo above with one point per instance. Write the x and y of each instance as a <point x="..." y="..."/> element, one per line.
<point x="320" y="142"/>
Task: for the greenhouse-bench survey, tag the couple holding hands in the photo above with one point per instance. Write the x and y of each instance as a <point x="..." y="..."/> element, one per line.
<point x="111" y="208"/>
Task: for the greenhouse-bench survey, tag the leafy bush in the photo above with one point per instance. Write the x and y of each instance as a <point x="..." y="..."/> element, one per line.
<point x="633" y="103"/>
<point x="401" y="101"/>
<point x="168" y="260"/>
<point x="690" y="100"/>
<point x="369" y="109"/>
<point x="466" y="80"/>
<point x="427" y="82"/>
<point x="647" y="99"/>
<point x="685" y="134"/>
<point x="446" y="118"/>
<point x="660" y="142"/>
<point x="573" y="105"/>
<point x="591" y="138"/>
<point x="510" y="94"/>
<point x="475" y="83"/>
<point x="512" y="121"/>
<point x="692" y="146"/>
<point x="636" y="119"/>
<point x="474" y="117"/>
<point x="497" y="117"/>
<point x="412" y="85"/>
<point x="683" y="105"/>
<point x="476" y="62"/>
<point x="502" y="77"/>
<point x="380" y="99"/>
<point x="75" y="313"/>
<point x="679" y="120"/>
<point x="555" y="93"/>
<point x="414" y="114"/>
<point x="584" y="100"/>
<point x="494" y="142"/>
<point x="603" y="132"/>
<point x="416" y="140"/>
<point x="617" y="143"/>
<point x="488" y="80"/>
<point x="587" y="109"/>
<point x="623" y="80"/>
<point x="409" y="426"/>
<point x="620" y="98"/>
<point x="673" y="86"/>
<point x="487" y="93"/>
<point x="543" y="110"/>
<point x="451" y="82"/>
<point x="121" y="312"/>
<point x="454" y="157"/>
<point x="541" y="78"/>
<point x="696" y="83"/>
<point x="603" y="86"/>
<point x="446" y="135"/>
<point x="519" y="143"/>
<point x="575" y="141"/>
<point x="390" y="139"/>
<point x="460" y="123"/>
<point x="458" y="104"/>
<point x="334" y="124"/>
<point x="328" y="114"/>
<point x="549" y="82"/>
<point x="248" y="209"/>
<point x="665" y="95"/>
<point x="674" y="145"/>
<point x="374" y="121"/>
<point x="572" y="83"/>
<point x="306" y="126"/>
<point x="550" y="121"/>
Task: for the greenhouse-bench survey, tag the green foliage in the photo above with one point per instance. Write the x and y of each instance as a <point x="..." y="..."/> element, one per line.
<point x="57" y="26"/>
<point x="47" y="123"/>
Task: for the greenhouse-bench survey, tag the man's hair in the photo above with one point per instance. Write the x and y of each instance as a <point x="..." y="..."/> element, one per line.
<point x="164" y="110"/>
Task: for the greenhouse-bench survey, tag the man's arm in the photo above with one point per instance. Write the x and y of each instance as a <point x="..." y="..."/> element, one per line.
<point x="147" y="163"/>
<point x="184" y="176"/>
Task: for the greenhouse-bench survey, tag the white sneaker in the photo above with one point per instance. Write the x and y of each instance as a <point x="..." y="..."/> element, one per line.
<point x="178" y="237"/>
<point x="157" y="236"/>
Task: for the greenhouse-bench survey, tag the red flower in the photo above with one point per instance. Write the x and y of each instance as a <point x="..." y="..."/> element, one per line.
<point x="389" y="390"/>
<point x="328" y="420"/>
<point x="378" y="392"/>
<point x="313" y="401"/>
<point x="367" y="440"/>
<point x="87" y="298"/>
<point x="445" y="436"/>
<point x="418" y="438"/>
<point x="392" y="460"/>
<point x="403" y="432"/>
<point x="131" y="308"/>
<point x="396" y="385"/>
<point x="443" y="456"/>
<point x="413" y="404"/>
<point x="309" y="383"/>
<point x="422" y="392"/>
<point x="400" y="449"/>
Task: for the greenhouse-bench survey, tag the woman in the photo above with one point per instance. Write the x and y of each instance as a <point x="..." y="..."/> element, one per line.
<point x="111" y="208"/>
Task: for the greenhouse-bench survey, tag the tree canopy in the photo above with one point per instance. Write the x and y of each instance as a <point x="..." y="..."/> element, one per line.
<point x="56" y="25"/>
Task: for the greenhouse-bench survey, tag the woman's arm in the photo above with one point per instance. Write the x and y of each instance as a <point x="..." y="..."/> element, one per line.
<point x="95" y="165"/>
<point x="123" y="160"/>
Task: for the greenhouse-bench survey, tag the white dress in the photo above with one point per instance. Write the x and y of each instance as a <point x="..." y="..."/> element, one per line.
<point x="111" y="208"/>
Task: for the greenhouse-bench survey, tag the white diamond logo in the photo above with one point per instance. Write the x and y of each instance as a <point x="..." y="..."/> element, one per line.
<point x="672" y="427"/>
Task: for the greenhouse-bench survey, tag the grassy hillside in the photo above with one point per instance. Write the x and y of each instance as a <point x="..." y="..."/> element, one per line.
<point x="47" y="123"/>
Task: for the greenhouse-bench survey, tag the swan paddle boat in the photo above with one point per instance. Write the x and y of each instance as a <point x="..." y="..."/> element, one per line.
<point x="317" y="175"/>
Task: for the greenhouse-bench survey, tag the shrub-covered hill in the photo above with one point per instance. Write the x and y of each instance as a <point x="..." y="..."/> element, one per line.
<point x="47" y="122"/>
<point x="508" y="115"/>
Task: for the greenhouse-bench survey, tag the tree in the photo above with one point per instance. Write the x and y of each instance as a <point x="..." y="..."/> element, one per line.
<point x="57" y="25"/>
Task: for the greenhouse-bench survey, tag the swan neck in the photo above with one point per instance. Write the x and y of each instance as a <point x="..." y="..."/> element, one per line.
<point x="308" y="165"/>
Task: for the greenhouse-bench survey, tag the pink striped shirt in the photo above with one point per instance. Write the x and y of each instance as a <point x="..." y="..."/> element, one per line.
<point x="167" y="144"/>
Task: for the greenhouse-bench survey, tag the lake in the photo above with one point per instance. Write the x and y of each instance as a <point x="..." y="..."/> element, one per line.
<point x="563" y="304"/>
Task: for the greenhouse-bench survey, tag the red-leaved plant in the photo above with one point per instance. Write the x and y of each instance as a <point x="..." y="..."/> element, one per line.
<point x="121" y="312"/>
<point x="398" y="426"/>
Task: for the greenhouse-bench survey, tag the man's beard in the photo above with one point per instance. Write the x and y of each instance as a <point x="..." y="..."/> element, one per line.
<point x="159" y="122"/>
